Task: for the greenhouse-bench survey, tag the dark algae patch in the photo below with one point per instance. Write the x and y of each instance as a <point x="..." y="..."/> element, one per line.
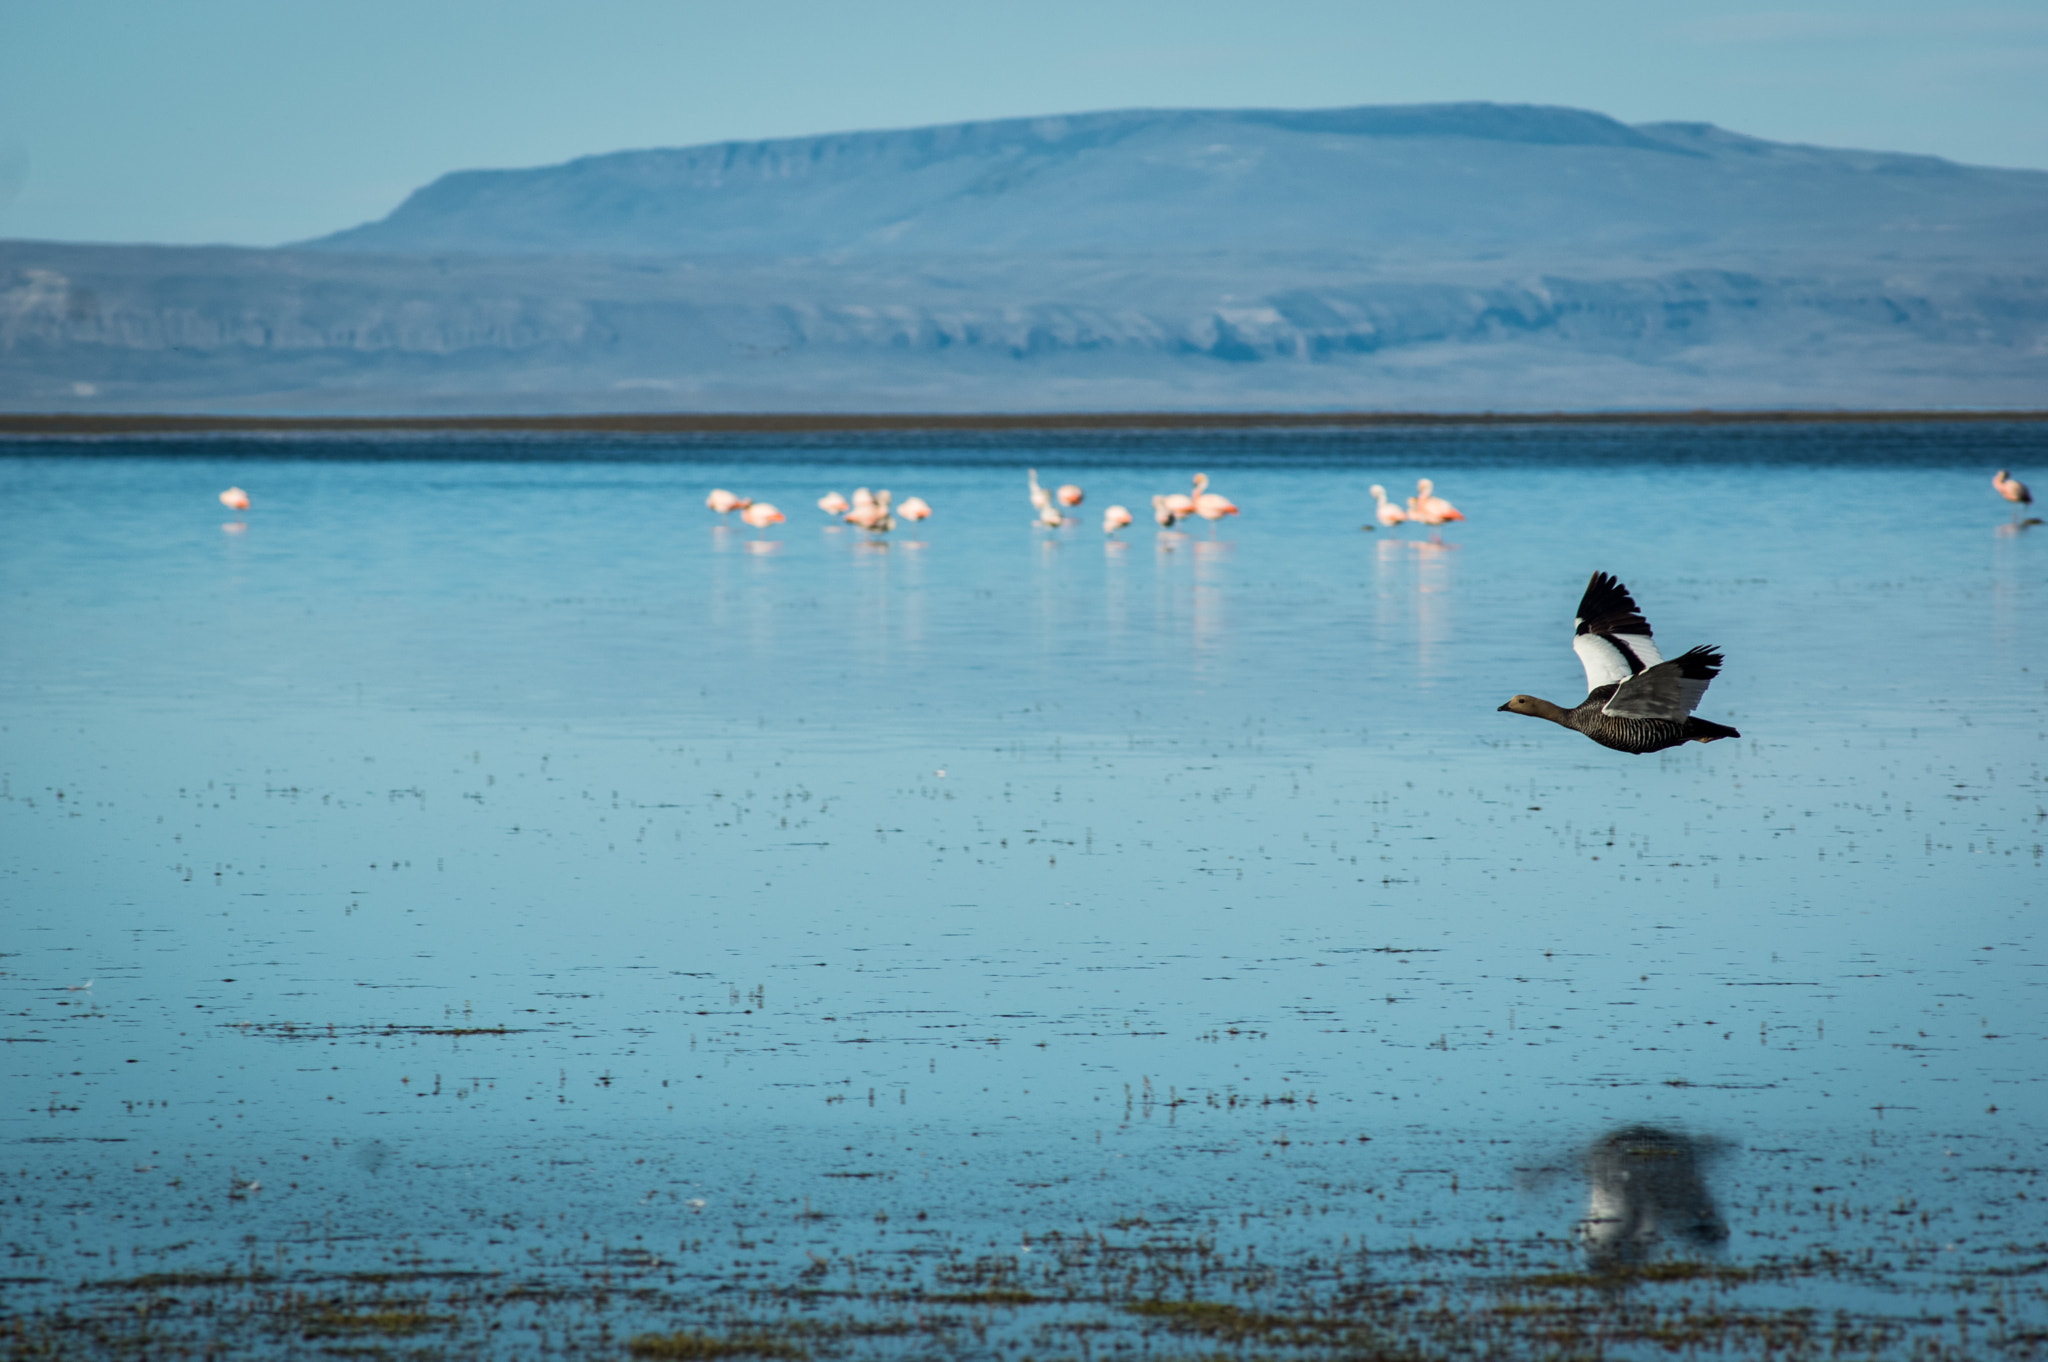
<point x="1171" y="1293"/>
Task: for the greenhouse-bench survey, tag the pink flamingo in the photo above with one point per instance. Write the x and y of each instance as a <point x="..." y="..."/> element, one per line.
<point x="1384" y="511"/>
<point x="1114" y="519"/>
<point x="1428" y="508"/>
<point x="1212" y="507"/>
<point x="1164" y="513"/>
<point x="871" y="513"/>
<point x="1207" y="504"/>
<point x="832" y="504"/>
<point x="1069" y="494"/>
<point x="235" y="499"/>
<point x="1046" y="506"/>
<point x="1181" y="504"/>
<point x="723" y="501"/>
<point x="914" y="508"/>
<point x="760" y="514"/>
<point x="2008" y="486"/>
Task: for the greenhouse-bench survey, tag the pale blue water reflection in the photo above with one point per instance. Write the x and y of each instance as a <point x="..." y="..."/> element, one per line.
<point x="1052" y="879"/>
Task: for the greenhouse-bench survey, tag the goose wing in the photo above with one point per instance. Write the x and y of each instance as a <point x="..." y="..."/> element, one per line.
<point x="1653" y="693"/>
<point x="1610" y="635"/>
<point x="1667" y="690"/>
<point x="1697" y="667"/>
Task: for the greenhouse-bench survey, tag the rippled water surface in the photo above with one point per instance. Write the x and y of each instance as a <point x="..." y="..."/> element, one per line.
<point x="478" y="903"/>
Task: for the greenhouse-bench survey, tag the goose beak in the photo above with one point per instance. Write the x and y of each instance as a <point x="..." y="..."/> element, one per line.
<point x="1502" y="709"/>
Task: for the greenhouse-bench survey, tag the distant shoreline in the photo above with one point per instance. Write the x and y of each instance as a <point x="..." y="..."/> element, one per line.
<point x="799" y="423"/>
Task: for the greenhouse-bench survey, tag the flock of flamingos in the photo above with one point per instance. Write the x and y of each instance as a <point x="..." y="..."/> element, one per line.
<point x="1052" y="508"/>
<point x="877" y="514"/>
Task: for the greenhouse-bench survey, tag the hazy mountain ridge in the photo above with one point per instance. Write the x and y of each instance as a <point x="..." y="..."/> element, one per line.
<point x="1460" y="256"/>
<point x="1514" y="179"/>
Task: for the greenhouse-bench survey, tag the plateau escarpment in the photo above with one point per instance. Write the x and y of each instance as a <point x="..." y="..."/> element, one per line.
<point x="1455" y="256"/>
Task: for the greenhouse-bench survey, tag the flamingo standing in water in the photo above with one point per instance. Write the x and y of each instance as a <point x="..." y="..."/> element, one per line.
<point x="1179" y="505"/>
<point x="914" y="508"/>
<point x="723" y="501"/>
<point x="1212" y="507"/>
<point x="1384" y="511"/>
<point x="1044" y="503"/>
<point x="2008" y="486"/>
<point x="872" y="514"/>
<point x="1114" y="519"/>
<point x="1428" y="508"/>
<point x="833" y="504"/>
<point x="235" y="499"/>
<point x="1069" y="495"/>
<point x="760" y="514"/>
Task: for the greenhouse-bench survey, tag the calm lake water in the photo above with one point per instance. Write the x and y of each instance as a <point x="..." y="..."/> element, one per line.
<point x="479" y="901"/>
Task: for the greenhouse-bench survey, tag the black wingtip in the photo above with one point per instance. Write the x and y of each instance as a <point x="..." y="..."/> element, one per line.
<point x="1699" y="664"/>
<point x="1607" y="608"/>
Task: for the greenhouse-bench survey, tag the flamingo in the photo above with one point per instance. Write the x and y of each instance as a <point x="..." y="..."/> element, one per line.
<point x="760" y="514"/>
<point x="872" y="513"/>
<point x="1429" y="508"/>
<point x="914" y="508"/>
<point x="1039" y="496"/>
<point x="833" y="504"/>
<point x="723" y="501"/>
<point x="1384" y="511"/>
<point x="1069" y="495"/>
<point x="1212" y="507"/>
<point x="1114" y="519"/>
<point x="1044" y="503"/>
<point x="1164" y="513"/>
<point x="2009" y="487"/>
<point x="235" y="499"/>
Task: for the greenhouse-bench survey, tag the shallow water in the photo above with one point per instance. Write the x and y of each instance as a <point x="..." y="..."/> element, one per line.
<point x="479" y="859"/>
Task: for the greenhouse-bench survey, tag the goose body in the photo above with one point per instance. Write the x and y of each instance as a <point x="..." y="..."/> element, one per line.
<point x="1636" y="701"/>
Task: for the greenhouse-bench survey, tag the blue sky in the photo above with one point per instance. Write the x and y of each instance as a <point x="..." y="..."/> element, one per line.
<point x="263" y="121"/>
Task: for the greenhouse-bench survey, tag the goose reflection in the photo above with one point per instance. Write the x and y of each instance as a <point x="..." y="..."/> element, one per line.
<point x="1647" y="1191"/>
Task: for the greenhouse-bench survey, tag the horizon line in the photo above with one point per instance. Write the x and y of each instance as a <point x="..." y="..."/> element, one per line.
<point x="770" y="423"/>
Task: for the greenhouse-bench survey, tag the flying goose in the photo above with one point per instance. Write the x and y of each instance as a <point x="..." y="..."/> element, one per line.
<point x="1636" y="701"/>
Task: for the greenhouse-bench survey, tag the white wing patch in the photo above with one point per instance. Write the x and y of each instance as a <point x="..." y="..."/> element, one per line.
<point x="1655" y="693"/>
<point x="1606" y="662"/>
